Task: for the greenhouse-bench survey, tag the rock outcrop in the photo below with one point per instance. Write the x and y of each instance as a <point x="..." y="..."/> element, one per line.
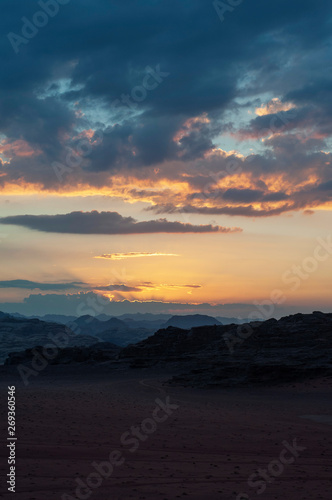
<point x="293" y="348"/>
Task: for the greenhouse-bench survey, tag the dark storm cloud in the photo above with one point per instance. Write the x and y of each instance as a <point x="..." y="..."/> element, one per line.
<point x="307" y="118"/>
<point x="138" y="71"/>
<point x="325" y="186"/>
<point x="245" y="195"/>
<point x="315" y="91"/>
<point x="282" y="121"/>
<point x="133" y="144"/>
<point x="106" y="223"/>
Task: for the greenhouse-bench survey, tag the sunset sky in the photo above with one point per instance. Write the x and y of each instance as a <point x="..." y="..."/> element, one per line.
<point x="166" y="156"/>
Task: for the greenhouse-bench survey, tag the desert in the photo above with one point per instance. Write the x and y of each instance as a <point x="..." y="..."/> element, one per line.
<point x="111" y="429"/>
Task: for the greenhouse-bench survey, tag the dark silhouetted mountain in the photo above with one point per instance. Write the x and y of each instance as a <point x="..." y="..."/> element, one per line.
<point x="17" y="334"/>
<point x="56" y="318"/>
<point x="103" y="317"/>
<point x="87" y="325"/>
<point x="124" y="336"/>
<point x="146" y="317"/>
<point x="151" y="322"/>
<point x="115" y="323"/>
<point x="228" y="321"/>
<point x="150" y="325"/>
<point x="290" y="349"/>
<point x="190" y="321"/>
<point x="293" y="348"/>
<point x="4" y="315"/>
<point x="113" y="330"/>
<point x="13" y="315"/>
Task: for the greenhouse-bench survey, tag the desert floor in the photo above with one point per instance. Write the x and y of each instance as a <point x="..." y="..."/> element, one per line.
<point x="68" y="418"/>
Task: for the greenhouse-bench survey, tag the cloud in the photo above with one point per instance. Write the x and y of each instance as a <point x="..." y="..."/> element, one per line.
<point x="269" y="124"/>
<point x="240" y="195"/>
<point x="143" y="286"/>
<point x="294" y="175"/>
<point x="164" y="148"/>
<point x="66" y="80"/>
<point x="130" y="255"/>
<point x="115" y="287"/>
<point x="32" y="285"/>
<point x="80" y="303"/>
<point x="118" y="288"/>
<point x="180" y="286"/>
<point x="325" y="186"/>
<point x="245" y="211"/>
<point x="106" y="223"/>
<point x="273" y="106"/>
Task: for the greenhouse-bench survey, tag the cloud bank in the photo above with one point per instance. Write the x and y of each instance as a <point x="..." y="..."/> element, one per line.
<point x="106" y="223"/>
<point x="127" y="106"/>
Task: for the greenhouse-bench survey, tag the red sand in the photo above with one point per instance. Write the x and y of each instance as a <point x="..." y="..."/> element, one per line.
<point x="206" y="449"/>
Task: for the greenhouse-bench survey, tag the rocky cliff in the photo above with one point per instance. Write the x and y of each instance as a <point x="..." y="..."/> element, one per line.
<point x="293" y="348"/>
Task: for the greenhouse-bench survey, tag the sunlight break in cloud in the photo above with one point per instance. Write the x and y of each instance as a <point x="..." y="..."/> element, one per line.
<point x="274" y="106"/>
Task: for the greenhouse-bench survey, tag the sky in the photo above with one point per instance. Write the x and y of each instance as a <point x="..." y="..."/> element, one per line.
<point x="167" y="157"/>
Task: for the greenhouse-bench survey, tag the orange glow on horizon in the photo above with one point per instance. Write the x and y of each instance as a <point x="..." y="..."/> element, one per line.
<point x="162" y="191"/>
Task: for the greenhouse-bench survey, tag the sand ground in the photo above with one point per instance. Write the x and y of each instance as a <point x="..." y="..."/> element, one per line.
<point x="206" y="449"/>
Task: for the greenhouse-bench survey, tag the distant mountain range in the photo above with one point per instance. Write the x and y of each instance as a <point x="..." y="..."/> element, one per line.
<point x="293" y="348"/>
<point x="21" y="333"/>
<point x="140" y="319"/>
<point x="18" y="332"/>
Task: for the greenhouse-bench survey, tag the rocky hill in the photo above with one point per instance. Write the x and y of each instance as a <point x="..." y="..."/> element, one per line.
<point x="295" y="347"/>
<point x="191" y="320"/>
